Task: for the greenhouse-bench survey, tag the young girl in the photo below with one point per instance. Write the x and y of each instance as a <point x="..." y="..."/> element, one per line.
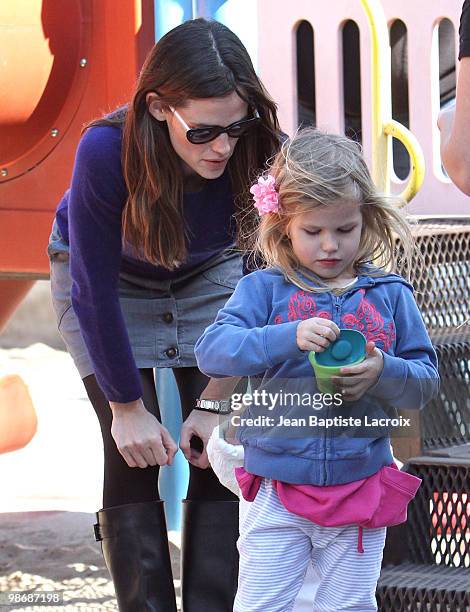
<point x="313" y="489"/>
<point x="143" y="254"/>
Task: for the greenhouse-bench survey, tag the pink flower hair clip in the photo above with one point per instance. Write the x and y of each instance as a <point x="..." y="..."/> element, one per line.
<point x="265" y="195"/>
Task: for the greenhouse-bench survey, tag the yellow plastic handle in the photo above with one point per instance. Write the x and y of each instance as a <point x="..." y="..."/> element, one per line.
<point x="382" y="123"/>
<point x="417" y="165"/>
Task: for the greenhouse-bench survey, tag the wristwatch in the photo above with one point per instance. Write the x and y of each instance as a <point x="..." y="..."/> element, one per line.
<point x="215" y="406"/>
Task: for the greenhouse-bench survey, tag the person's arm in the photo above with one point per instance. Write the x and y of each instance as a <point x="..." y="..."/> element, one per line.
<point x="454" y="121"/>
<point x="97" y="197"/>
<point x="409" y="378"/>
<point x="240" y="342"/>
<point x="96" y="200"/>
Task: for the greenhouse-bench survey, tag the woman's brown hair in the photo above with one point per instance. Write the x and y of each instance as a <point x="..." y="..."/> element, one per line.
<point x="198" y="59"/>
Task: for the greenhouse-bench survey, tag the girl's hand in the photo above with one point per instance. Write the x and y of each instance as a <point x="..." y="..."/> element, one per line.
<point x="316" y="334"/>
<point x="356" y="380"/>
<point x="140" y="437"/>
<point x="200" y="424"/>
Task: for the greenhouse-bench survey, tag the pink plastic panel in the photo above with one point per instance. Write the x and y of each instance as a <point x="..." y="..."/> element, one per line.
<point x="277" y="66"/>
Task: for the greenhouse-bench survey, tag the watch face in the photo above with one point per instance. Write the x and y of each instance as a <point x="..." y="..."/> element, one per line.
<point x="220" y="406"/>
<point x="225" y="407"/>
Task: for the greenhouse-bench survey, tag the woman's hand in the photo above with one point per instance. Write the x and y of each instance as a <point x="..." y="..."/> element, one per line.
<point x="140" y="437"/>
<point x="200" y="424"/>
<point x="356" y="380"/>
<point x="316" y="334"/>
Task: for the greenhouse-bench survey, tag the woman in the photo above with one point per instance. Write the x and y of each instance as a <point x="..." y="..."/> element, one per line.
<point x="142" y="257"/>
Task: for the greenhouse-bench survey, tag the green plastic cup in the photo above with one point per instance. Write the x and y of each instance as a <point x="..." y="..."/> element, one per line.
<point x="348" y="349"/>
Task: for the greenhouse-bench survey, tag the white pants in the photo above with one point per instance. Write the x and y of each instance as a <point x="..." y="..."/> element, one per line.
<point x="224" y="458"/>
<point x="276" y="548"/>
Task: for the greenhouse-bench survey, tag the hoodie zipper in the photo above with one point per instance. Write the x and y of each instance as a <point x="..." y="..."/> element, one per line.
<point x="325" y="446"/>
<point x="337" y="303"/>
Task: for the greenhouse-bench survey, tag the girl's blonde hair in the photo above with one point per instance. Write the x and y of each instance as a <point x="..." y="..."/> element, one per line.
<point x="315" y="169"/>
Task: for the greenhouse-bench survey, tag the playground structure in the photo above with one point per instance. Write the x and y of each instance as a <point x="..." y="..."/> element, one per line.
<point x="61" y="66"/>
<point x="324" y="63"/>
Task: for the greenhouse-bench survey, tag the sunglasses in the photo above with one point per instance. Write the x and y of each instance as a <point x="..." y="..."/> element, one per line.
<point x="211" y="132"/>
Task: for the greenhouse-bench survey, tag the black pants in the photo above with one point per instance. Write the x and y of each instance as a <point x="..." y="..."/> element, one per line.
<point x="126" y="485"/>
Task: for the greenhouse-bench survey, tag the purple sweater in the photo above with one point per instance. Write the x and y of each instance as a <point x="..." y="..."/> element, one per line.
<point x="89" y="219"/>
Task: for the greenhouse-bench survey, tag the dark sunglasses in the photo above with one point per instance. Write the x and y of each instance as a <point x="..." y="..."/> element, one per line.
<point x="206" y="134"/>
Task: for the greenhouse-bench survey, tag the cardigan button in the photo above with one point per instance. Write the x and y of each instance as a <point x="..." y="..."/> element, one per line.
<point x="171" y="352"/>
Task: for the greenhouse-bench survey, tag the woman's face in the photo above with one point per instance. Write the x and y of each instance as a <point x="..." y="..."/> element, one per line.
<point x="209" y="159"/>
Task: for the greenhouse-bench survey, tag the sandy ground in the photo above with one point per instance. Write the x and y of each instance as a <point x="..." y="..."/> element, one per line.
<point x="51" y="488"/>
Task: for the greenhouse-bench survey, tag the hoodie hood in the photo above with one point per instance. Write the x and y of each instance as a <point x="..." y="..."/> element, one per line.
<point x="370" y="276"/>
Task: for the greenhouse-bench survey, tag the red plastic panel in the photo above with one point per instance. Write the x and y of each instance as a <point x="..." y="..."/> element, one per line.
<point x="61" y="65"/>
<point x="41" y="79"/>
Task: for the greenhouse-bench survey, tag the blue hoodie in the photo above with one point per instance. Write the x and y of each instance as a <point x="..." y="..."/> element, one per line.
<point x="255" y="335"/>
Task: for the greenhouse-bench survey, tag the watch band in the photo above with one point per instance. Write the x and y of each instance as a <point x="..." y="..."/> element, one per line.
<point x="215" y="406"/>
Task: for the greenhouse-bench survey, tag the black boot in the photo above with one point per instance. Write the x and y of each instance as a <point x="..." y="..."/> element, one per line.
<point x="209" y="555"/>
<point x="134" y="542"/>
